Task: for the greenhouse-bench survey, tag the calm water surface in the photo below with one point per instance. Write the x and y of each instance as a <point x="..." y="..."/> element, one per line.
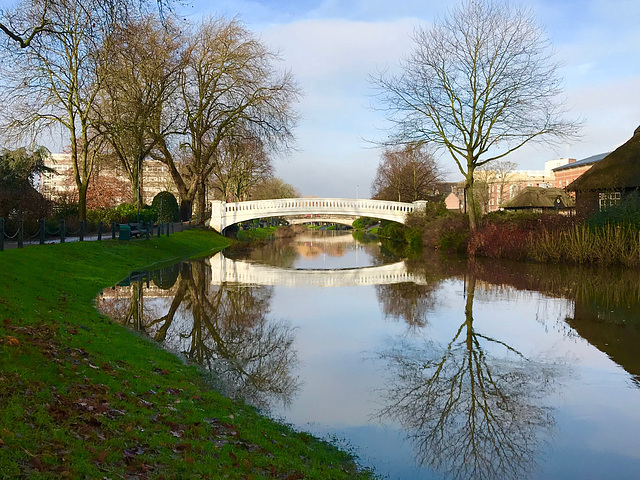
<point x="427" y="369"/>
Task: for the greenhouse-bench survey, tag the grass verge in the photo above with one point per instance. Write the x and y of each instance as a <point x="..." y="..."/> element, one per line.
<point x="82" y="397"/>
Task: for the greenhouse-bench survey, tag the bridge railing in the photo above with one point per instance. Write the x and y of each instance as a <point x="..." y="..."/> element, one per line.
<point x="224" y="214"/>
<point x="318" y="203"/>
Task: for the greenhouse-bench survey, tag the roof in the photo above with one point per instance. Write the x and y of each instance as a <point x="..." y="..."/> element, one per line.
<point x="539" y="197"/>
<point x="583" y="162"/>
<point x="618" y="170"/>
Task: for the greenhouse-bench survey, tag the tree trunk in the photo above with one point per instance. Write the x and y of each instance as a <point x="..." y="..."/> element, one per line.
<point x="472" y="209"/>
<point x="186" y="206"/>
<point x="82" y="201"/>
<point x="200" y="201"/>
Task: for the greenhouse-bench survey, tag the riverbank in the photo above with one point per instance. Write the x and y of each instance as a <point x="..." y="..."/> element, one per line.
<point x="82" y="397"/>
<point x="607" y="238"/>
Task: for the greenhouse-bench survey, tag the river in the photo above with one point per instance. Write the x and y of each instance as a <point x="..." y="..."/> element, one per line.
<point x="428" y="368"/>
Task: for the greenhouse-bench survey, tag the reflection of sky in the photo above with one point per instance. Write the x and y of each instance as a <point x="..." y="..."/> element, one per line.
<point x="340" y="329"/>
<point x="354" y="256"/>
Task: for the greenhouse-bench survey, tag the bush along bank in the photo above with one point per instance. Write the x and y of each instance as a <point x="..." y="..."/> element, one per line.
<point x="82" y="397"/>
<point x="610" y="237"/>
<point x="434" y="228"/>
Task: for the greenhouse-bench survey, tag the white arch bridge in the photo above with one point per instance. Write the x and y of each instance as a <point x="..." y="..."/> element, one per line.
<point x="225" y="214"/>
<point x="239" y="271"/>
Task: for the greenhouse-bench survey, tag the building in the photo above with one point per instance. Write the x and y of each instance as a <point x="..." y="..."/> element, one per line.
<point x="540" y="199"/>
<point x="504" y="186"/>
<point x="565" y="174"/>
<point x="611" y="179"/>
<point x="111" y="179"/>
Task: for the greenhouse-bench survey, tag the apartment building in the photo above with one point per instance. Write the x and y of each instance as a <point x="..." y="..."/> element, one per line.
<point x="61" y="185"/>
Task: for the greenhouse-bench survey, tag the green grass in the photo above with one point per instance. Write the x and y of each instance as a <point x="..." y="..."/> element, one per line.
<point x="82" y="397"/>
<point x="256" y="234"/>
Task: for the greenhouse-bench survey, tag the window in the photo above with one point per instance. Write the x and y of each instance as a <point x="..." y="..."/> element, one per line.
<point x="608" y="199"/>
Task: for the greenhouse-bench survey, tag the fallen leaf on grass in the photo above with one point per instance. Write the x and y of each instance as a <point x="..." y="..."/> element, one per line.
<point x="13" y="341"/>
<point x="2" y="444"/>
<point x="37" y="463"/>
<point x="102" y="456"/>
<point x="181" y="447"/>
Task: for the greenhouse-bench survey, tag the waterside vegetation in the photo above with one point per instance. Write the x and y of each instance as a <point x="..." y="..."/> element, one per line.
<point x="82" y="397"/>
<point x="610" y="237"/>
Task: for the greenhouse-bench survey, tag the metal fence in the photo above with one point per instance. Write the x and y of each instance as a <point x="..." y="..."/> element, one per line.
<point x="18" y="237"/>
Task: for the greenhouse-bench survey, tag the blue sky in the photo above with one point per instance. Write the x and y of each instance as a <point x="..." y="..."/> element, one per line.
<point x="333" y="46"/>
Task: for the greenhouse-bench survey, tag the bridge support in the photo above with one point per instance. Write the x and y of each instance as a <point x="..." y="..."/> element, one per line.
<point x="217" y="215"/>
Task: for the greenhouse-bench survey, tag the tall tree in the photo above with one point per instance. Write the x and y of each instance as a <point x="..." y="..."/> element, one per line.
<point x="55" y="82"/>
<point x="405" y="174"/>
<point x="139" y="67"/>
<point x="273" y="187"/>
<point x="480" y="83"/>
<point x="229" y="81"/>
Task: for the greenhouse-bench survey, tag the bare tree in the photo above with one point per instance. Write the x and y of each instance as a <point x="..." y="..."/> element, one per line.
<point x="36" y="18"/>
<point x="406" y="174"/>
<point x="54" y="82"/>
<point x="242" y="163"/>
<point x="139" y="67"/>
<point x="229" y="81"/>
<point x="504" y="172"/>
<point x="273" y="187"/>
<point x="480" y="83"/>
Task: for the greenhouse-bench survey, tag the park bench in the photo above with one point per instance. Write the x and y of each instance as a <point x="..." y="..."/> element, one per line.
<point x="135" y="229"/>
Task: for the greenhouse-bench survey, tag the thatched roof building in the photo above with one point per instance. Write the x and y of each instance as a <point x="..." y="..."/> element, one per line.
<point x="610" y="179"/>
<point x="538" y="199"/>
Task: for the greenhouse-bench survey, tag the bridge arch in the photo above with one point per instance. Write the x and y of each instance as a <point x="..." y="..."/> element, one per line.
<point x="226" y="214"/>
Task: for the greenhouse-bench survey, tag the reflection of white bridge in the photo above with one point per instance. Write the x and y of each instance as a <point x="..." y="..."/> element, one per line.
<point x="238" y="271"/>
<point x="225" y="214"/>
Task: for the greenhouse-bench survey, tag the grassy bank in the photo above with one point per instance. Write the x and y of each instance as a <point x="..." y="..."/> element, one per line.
<point x="82" y="397"/>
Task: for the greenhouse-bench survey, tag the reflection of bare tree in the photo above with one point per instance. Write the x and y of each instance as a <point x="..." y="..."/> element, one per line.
<point x="226" y="331"/>
<point x="407" y="301"/>
<point x="469" y="413"/>
<point x="232" y="337"/>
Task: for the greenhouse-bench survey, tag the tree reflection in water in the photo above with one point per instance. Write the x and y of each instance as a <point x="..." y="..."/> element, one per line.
<point x="407" y="302"/>
<point x="224" y="328"/>
<point x="469" y="413"/>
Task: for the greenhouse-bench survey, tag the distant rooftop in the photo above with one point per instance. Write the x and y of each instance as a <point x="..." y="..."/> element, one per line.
<point x="584" y="161"/>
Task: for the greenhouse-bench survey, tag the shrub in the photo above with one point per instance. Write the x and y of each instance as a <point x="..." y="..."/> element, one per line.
<point x="500" y="240"/>
<point x="391" y="230"/>
<point x="363" y="222"/>
<point x="166" y="206"/>
<point x="123" y="213"/>
<point x="582" y="244"/>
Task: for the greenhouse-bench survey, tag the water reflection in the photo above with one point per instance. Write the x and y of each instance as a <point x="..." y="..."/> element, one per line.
<point x="315" y="250"/>
<point x="472" y="371"/>
<point x="224" y="328"/>
<point x="407" y="301"/>
<point x="606" y="303"/>
<point x="473" y="407"/>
